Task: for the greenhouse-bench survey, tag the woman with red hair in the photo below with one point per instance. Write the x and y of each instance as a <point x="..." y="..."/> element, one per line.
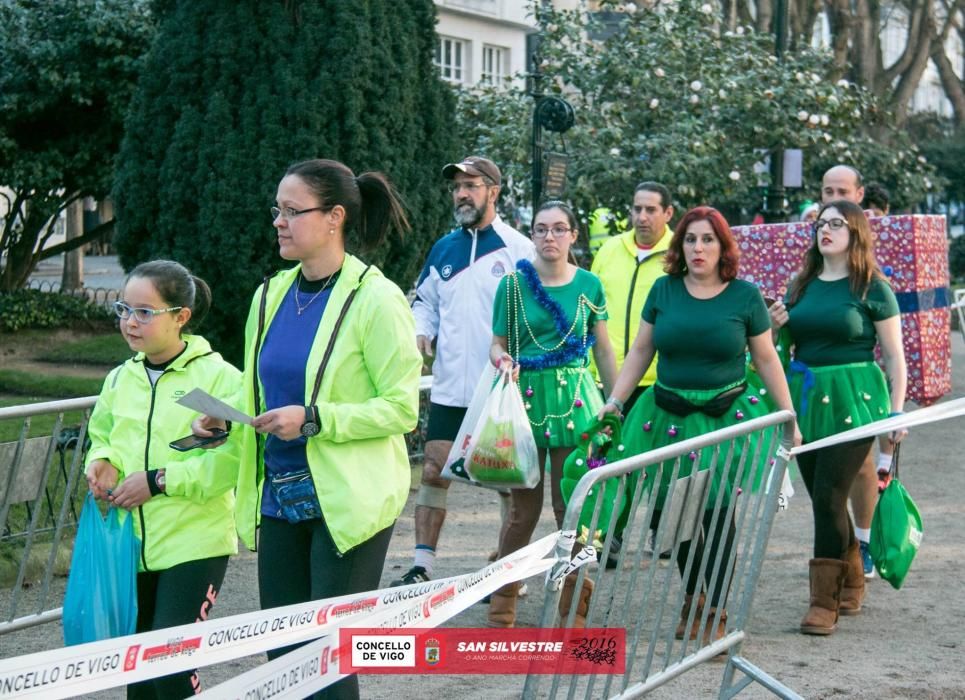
<point x="701" y="320"/>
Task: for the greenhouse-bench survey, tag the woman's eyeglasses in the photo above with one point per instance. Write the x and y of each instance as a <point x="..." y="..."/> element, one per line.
<point x="141" y="314"/>
<point x="288" y="213"/>
<point x="833" y="224"/>
<point x="557" y="231"/>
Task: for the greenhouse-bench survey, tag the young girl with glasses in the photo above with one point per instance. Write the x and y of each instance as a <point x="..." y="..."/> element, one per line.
<point x="836" y="310"/>
<point x="547" y="316"/>
<point x="182" y="502"/>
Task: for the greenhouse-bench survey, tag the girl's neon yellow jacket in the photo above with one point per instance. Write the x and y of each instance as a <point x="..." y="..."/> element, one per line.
<point x="131" y="427"/>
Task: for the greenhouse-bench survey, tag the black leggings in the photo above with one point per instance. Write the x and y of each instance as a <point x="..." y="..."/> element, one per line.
<point x="828" y="474"/>
<point x="180" y="595"/>
<point x="299" y="562"/>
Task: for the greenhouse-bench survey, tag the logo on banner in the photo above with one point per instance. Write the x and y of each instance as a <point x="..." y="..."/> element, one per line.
<point x="432" y="651"/>
<point x="334" y="612"/>
<point x="438" y="600"/>
<point x="130" y="659"/>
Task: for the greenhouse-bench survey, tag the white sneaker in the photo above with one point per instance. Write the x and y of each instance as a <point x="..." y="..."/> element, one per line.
<point x="523" y="590"/>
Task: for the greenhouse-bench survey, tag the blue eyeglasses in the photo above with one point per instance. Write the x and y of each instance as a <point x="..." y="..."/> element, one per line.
<point x="141" y="314"/>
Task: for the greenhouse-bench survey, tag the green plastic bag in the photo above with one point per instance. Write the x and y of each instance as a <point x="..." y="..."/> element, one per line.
<point x="502" y="451"/>
<point x="591" y="452"/>
<point x="896" y="531"/>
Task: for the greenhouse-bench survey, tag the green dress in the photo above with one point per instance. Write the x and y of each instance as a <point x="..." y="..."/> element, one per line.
<point x="702" y="349"/>
<point x="560" y="394"/>
<point x="835" y="383"/>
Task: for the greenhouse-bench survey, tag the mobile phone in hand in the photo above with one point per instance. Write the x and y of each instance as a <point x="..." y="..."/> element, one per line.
<point x="190" y="442"/>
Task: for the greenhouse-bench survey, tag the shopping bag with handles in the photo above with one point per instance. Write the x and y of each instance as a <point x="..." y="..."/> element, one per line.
<point x="896" y="530"/>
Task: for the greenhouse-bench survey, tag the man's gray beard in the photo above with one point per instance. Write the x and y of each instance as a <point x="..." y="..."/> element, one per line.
<point x="467" y="215"/>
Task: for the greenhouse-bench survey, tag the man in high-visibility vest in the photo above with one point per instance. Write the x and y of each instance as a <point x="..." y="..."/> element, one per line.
<point x="628" y="265"/>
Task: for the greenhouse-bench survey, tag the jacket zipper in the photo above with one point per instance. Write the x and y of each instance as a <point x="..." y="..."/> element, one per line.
<point x="147" y="451"/>
<point x="626" y="330"/>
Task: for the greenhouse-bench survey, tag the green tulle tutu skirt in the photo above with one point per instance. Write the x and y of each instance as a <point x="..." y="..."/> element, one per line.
<point x="561" y="402"/>
<point x="835" y="398"/>
<point x="649" y="427"/>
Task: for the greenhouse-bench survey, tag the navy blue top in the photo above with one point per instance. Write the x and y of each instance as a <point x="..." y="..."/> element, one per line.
<point x="281" y="367"/>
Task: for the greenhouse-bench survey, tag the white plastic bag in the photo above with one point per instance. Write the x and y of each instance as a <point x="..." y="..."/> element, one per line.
<point x="502" y="451"/>
<point x="454" y="469"/>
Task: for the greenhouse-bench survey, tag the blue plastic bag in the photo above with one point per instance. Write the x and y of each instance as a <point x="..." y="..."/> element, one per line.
<point x="101" y="597"/>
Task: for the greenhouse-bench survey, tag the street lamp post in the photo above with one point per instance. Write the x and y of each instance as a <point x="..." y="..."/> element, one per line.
<point x="774" y="211"/>
<point x="551" y="113"/>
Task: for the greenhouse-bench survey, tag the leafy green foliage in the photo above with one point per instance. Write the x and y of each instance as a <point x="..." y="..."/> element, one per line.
<point x="69" y="69"/>
<point x="663" y="94"/>
<point x="233" y="93"/>
<point x="30" y="308"/>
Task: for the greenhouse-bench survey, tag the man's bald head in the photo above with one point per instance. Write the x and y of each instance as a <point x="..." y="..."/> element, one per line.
<point x="842" y="182"/>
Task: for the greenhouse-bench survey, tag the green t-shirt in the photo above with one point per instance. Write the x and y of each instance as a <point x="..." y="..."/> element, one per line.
<point x="534" y="332"/>
<point x="831" y="326"/>
<point x="702" y="343"/>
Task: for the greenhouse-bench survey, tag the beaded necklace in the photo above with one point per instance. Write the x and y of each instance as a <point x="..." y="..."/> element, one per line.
<point x="572" y="344"/>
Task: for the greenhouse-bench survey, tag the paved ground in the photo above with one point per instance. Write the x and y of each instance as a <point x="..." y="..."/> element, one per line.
<point x="906" y="644"/>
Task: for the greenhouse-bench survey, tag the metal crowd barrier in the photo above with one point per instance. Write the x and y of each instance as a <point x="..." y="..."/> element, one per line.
<point x="646" y="596"/>
<point x="42" y="486"/>
<point x="103" y="296"/>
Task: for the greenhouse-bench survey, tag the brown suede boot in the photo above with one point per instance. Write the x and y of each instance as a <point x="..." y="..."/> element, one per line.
<point x="582" y="603"/>
<point x="502" y="606"/>
<point x="827" y="577"/>
<point x="852" y="593"/>
<point x="685" y="612"/>
<point x="710" y="634"/>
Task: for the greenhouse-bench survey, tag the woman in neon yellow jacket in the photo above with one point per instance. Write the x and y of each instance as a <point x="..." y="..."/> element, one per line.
<point x="325" y="473"/>
<point x="182" y="502"/>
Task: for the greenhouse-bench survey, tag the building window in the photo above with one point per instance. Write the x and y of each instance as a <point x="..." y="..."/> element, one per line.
<point x="452" y="58"/>
<point x="495" y="65"/>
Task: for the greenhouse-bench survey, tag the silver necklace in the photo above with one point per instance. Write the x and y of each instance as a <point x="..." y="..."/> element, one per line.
<point x="297" y="289"/>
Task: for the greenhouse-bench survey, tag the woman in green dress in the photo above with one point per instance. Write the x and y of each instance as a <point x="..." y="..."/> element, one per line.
<point x="836" y="310"/>
<point x="701" y="320"/>
<point x="546" y="317"/>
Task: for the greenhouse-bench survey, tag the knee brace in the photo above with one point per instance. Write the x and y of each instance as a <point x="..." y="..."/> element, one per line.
<point x="431" y="496"/>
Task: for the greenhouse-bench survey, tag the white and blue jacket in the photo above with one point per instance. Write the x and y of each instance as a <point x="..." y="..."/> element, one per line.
<point x="454" y="303"/>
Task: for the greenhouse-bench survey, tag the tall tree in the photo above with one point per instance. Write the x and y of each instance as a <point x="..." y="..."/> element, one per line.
<point x="67" y="72"/>
<point x="235" y="92"/>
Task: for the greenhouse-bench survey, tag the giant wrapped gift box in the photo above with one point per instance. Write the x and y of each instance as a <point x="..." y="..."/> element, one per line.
<point x="913" y="252"/>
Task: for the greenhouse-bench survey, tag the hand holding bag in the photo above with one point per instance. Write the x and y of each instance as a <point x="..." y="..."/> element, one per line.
<point x="101" y="597"/>
<point x="502" y="451"/>
<point x="896" y="530"/>
<point x="593" y="451"/>
<point x="455" y="467"/>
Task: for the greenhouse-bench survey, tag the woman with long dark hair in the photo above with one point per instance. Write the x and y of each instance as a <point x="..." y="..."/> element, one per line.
<point x="836" y="310"/>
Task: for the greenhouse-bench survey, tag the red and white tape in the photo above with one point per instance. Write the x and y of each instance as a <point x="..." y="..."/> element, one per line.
<point x="87" y="668"/>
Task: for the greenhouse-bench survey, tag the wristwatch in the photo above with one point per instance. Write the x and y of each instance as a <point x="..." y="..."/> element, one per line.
<point x="159" y="479"/>
<point x="310" y="427"/>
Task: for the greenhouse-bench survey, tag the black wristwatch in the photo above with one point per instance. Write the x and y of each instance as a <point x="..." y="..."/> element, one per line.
<point x="310" y="427"/>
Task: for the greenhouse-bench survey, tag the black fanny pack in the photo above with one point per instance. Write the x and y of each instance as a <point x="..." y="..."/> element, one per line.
<point x="714" y="407"/>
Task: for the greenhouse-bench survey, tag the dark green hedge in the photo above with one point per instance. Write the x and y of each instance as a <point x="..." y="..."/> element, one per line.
<point x="31" y="308"/>
<point x="232" y="93"/>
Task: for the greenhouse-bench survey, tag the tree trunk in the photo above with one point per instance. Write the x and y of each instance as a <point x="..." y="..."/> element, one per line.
<point x="920" y="45"/>
<point x="950" y="81"/>
<point x="839" y="18"/>
<point x="73" y="275"/>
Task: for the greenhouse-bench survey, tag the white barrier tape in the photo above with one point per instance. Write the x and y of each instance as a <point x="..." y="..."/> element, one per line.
<point x="562" y="569"/>
<point x="314" y="666"/>
<point x="87" y="668"/>
<point x="921" y="416"/>
<point x="113" y="662"/>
